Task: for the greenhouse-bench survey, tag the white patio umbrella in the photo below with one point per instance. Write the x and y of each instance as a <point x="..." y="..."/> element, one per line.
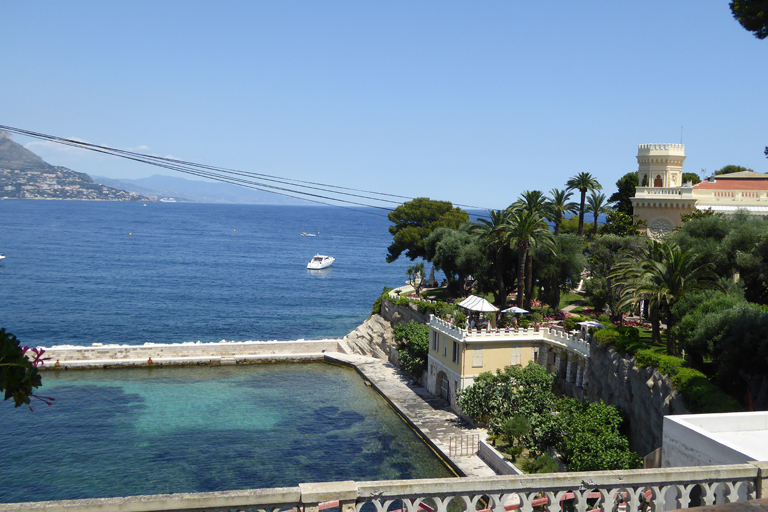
<point x="514" y="309"/>
<point x="475" y="303"/>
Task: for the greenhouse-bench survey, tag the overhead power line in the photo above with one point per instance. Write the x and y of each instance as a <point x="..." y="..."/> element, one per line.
<point x="297" y="189"/>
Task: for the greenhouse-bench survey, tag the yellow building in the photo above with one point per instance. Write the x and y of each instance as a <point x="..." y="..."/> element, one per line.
<point x="457" y="356"/>
<point x="661" y="197"/>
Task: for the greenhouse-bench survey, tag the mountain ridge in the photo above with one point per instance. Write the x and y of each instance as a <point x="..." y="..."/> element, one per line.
<point x="24" y="175"/>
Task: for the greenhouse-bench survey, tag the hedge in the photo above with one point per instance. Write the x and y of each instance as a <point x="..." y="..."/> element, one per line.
<point x="699" y="394"/>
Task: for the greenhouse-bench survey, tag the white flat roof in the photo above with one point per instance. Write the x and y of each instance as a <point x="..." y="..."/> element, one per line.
<point x="745" y="432"/>
<point x="724" y="208"/>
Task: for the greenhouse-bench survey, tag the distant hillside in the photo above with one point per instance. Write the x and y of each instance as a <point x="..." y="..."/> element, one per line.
<point x="24" y="175"/>
<point x="198" y="191"/>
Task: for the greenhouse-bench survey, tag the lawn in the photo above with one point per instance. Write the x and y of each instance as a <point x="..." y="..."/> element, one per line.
<point x="566" y="299"/>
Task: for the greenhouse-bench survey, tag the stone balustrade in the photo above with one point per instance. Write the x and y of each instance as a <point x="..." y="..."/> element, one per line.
<point x="551" y="336"/>
<point x="681" y="192"/>
<point x="640" y="490"/>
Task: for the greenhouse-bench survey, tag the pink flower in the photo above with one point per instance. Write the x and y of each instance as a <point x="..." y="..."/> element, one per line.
<point x="38" y="358"/>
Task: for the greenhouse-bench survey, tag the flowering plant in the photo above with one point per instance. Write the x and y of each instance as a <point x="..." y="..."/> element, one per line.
<point x="18" y="371"/>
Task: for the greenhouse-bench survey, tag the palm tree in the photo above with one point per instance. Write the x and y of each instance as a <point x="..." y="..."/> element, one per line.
<point x="494" y="233"/>
<point x="561" y="206"/>
<point x="533" y="201"/>
<point x="526" y="230"/>
<point x="626" y="276"/>
<point x="596" y="204"/>
<point x="583" y="182"/>
<point x="663" y="274"/>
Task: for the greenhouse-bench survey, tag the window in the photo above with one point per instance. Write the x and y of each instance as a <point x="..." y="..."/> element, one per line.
<point x="516" y="356"/>
<point x="455" y="352"/>
<point x="445" y="346"/>
<point x="477" y="356"/>
<point x="435" y="341"/>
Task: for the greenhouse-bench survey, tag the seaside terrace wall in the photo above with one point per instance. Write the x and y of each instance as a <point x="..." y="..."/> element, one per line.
<point x="224" y="352"/>
<point x="666" y="489"/>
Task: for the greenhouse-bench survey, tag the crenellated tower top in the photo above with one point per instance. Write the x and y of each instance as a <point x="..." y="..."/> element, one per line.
<point x="660" y="165"/>
<point x="672" y="149"/>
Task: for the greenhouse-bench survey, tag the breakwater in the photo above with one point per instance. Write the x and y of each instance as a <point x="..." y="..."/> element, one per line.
<point x="159" y="354"/>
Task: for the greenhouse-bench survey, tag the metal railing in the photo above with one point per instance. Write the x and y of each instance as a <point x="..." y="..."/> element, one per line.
<point x="462" y="445"/>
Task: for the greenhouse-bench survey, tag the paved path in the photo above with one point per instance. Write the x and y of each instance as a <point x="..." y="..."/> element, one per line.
<point x="430" y="415"/>
<point x="573" y="306"/>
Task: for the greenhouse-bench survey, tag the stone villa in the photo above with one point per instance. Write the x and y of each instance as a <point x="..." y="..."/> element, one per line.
<point x="662" y="197"/>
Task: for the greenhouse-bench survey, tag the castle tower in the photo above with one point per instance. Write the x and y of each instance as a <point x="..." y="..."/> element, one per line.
<point x="661" y="198"/>
<point x="660" y="165"/>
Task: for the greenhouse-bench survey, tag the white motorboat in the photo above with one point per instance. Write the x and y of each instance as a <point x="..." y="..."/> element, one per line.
<point x="2" y="256"/>
<point x="320" y="261"/>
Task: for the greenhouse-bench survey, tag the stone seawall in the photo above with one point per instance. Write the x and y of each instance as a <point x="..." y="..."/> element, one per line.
<point x="395" y="314"/>
<point x="644" y="394"/>
<point x="234" y="352"/>
<point x="375" y="338"/>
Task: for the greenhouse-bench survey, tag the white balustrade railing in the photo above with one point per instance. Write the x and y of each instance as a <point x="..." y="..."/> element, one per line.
<point x="639" y="490"/>
<point x="552" y="336"/>
<point x="680" y="192"/>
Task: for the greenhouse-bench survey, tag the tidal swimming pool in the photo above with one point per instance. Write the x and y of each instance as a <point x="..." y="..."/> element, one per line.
<point x="127" y="432"/>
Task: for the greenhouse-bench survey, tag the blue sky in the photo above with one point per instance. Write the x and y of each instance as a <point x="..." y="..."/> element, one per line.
<point x="469" y="102"/>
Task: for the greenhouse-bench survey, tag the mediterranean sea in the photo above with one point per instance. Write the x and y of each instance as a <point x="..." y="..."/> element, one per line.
<point x="79" y="272"/>
<point x="107" y="272"/>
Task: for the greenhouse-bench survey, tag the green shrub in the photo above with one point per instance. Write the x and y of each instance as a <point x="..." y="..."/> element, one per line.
<point x="514" y="452"/>
<point x="412" y="347"/>
<point x="633" y="333"/>
<point x="668" y="365"/>
<point x="569" y="324"/>
<point x="544" y="463"/>
<point x="515" y="428"/>
<point x="523" y="323"/>
<point x="461" y="318"/>
<point x="426" y="307"/>
<point x="444" y="310"/>
<point x="699" y="394"/>
<point x="376" y="310"/>
<point x="605" y="320"/>
<point x="536" y="317"/>
<point x="607" y="336"/>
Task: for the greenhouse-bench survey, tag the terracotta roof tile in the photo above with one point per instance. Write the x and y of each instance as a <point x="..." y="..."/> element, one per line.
<point x="734" y="184"/>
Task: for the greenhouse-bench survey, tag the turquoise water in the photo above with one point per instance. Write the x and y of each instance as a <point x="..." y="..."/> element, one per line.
<point x="196" y="429"/>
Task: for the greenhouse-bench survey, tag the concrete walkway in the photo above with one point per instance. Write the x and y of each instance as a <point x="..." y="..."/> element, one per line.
<point x="431" y="416"/>
<point x="575" y="305"/>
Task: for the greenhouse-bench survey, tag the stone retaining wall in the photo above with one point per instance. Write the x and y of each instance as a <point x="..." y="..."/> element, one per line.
<point x="395" y="314"/>
<point x="644" y="394"/>
<point x="496" y="460"/>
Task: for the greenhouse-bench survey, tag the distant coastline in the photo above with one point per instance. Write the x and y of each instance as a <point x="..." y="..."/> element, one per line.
<point x="24" y="175"/>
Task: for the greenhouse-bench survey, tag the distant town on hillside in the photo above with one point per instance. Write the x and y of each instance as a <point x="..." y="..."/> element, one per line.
<point x="24" y="175"/>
